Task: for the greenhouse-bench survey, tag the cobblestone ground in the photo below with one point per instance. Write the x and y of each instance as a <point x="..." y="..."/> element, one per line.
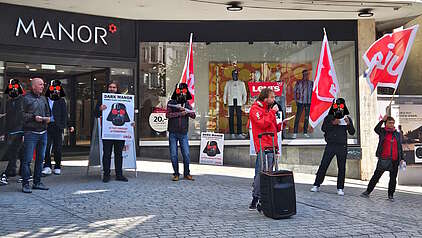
<point x="215" y="205"/>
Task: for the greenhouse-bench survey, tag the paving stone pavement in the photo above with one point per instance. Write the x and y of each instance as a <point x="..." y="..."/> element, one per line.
<point x="215" y="205"/>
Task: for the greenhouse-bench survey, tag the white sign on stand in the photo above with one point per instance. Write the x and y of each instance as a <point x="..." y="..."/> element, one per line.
<point x="212" y="147"/>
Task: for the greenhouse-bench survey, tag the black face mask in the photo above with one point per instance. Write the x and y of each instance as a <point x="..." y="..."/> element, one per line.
<point x="211" y="149"/>
<point x="55" y="95"/>
<point x="118" y="114"/>
<point x="13" y="93"/>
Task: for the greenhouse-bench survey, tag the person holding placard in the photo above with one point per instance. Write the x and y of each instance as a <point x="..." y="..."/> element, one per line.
<point x="108" y="145"/>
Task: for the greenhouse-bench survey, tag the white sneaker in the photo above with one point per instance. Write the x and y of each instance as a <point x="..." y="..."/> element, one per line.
<point x="46" y="171"/>
<point x="306" y="135"/>
<point x="340" y="192"/>
<point x="294" y="136"/>
<point x="315" y="189"/>
<point x="57" y="171"/>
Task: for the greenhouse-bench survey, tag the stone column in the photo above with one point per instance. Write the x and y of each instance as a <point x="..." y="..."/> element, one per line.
<point x="367" y="102"/>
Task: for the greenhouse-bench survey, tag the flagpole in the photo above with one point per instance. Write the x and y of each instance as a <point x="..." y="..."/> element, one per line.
<point x="391" y="101"/>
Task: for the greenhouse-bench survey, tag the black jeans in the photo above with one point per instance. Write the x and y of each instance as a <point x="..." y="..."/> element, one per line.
<point x="238" y="110"/>
<point x="377" y="175"/>
<point x="118" y="156"/>
<point x="14" y="150"/>
<point x="340" y="151"/>
<point x="55" y="139"/>
<point x="300" y="107"/>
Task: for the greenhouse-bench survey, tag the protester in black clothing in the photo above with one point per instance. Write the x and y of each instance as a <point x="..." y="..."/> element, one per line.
<point x="58" y="122"/>
<point x="14" y="127"/>
<point x="336" y="125"/>
<point x="108" y="145"/>
<point x="389" y="148"/>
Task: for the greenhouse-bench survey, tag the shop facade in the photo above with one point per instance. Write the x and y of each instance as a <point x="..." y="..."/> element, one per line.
<point x="147" y="58"/>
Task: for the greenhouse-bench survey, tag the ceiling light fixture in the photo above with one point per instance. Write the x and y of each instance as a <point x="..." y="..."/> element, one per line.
<point x="32" y="69"/>
<point x="234" y="6"/>
<point x="60" y="71"/>
<point x="367" y="12"/>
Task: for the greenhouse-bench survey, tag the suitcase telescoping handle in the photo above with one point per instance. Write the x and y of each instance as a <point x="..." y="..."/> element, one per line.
<point x="262" y="152"/>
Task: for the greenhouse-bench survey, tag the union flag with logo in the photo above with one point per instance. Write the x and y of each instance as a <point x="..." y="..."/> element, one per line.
<point x="326" y="87"/>
<point x="187" y="75"/>
<point x="387" y="57"/>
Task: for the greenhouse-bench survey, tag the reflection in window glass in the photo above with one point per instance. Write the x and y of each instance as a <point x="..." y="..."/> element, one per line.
<point x="290" y="63"/>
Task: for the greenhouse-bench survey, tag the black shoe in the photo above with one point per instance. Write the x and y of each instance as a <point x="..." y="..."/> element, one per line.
<point x="391" y="198"/>
<point x="365" y="194"/>
<point x="3" y="179"/>
<point x="26" y="188"/>
<point x="259" y="207"/>
<point x="29" y="180"/>
<point x="106" y="178"/>
<point x="39" y="186"/>
<point x="252" y="206"/>
<point x="121" y="178"/>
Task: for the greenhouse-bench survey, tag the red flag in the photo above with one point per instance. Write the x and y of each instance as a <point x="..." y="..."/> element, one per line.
<point x="187" y="75"/>
<point x="387" y="57"/>
<point x="326" y="86"/>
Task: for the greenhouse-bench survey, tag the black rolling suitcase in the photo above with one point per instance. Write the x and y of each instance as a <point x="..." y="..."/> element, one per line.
<point x="278" y="195"/>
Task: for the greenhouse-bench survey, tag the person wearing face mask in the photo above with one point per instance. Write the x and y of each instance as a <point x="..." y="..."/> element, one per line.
<point x="178" y="113"/>
<point x="336" y="125"/>
<point x="263" y="119"/>
<point x="58" y="122"/>
<point x="389" y="150"/>
<point x="235" y="96"/>
<point x="14" y="127"/>
<point x="108" y="145"/>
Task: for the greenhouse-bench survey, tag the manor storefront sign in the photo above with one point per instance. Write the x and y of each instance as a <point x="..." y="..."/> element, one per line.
<point x="82" y="33"/>
<point x="55" y="30"/>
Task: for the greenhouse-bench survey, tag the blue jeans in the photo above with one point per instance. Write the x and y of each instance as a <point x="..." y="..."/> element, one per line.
<point x="184" y="147"/>
<point x="33" y="142"/>
<point x="256" y="192"/>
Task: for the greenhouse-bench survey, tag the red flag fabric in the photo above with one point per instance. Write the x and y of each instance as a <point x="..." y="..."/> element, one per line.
<point x="188" y="75"/>
<point x="387" y="57"/>
<point x="326" y="87"/>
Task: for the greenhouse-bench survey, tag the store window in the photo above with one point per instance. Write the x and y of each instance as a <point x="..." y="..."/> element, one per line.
<point x="221" y="103"/>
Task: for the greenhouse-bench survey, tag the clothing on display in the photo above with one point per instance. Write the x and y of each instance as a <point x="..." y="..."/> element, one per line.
<point x="235" y="96"/>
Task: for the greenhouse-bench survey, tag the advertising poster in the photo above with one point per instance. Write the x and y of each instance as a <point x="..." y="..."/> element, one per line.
<point x="212" y="147"/>
<point x="288" y="74"/>
<point x="118" y="116"/>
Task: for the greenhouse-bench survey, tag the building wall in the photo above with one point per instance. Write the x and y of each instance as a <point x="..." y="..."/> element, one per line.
<point x="411" y="81"/>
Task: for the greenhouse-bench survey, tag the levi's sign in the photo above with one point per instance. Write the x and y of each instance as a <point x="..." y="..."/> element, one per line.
<point x="60" y="32"/>
<point x="256" y="87"/>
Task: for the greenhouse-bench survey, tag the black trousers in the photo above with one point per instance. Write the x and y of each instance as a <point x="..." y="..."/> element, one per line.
<point x="14" y="151"/>
<point x="393" y="177"/>
<point x="300" y="108"/>
<point x="55" y="139"/>
<point x="238" y="111"/>
<point x="108" y="146"/>
<point x="340" y="151"/>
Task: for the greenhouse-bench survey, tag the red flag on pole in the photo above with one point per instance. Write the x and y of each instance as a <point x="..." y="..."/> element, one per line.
<point x="387" y="57"/>
<point x="187" y="75"/>
<point x="326" y="87"/>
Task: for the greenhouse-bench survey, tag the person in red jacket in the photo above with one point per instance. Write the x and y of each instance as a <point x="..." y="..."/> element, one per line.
<point x="389" y="148"/>
<point x="263" y="119"/>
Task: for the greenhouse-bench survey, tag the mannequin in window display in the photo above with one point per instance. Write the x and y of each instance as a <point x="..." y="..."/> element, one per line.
<point x="235" y="97"/>
<point x="302" y="95"/>
<point x="281" y="100"/>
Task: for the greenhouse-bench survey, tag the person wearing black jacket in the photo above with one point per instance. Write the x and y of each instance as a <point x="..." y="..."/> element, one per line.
<point x="178" y="113"/>
<point x="389" y="148"/>
<point x="14" y="127"/>
<point x="108" y="145"/>
<point x="58" y="122"/>
<point x="336" y="125"/>
<point x="36" y="116"/>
